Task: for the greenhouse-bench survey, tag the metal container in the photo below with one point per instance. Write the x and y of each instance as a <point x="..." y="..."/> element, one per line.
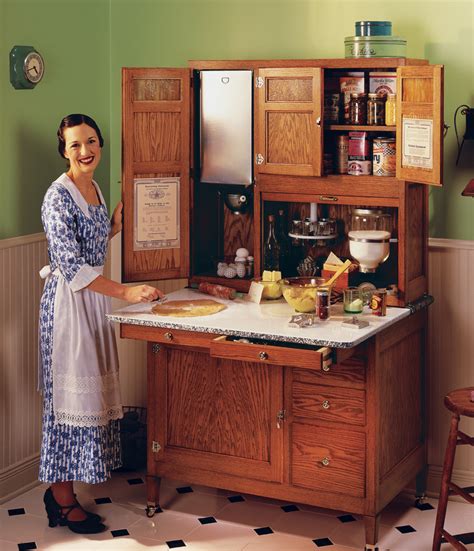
<point x="384" y="157"/>
<point x="375" y="46"/>
<point x="226" y="127"/>
<point x="373" y="28"/>
<point x="342" y="151"/>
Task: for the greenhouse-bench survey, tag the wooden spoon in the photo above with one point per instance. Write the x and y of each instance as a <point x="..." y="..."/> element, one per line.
<point x="339" y="272"/>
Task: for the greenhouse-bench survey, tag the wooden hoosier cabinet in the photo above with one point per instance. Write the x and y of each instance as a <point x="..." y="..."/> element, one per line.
<point x="317" y="422"/>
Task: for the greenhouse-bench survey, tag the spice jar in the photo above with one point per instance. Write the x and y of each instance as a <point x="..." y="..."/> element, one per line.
<point x="358" y="109"/>
<point x="391" y="110"/>
<point x="323" y="296"/>
<point x="376" y="110"/>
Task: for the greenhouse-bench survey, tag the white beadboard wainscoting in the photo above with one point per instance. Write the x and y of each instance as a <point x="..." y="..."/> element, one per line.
<point x="451" y="355"/>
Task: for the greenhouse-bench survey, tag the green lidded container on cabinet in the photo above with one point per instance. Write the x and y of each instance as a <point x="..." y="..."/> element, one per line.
<point x="374" y="39"/>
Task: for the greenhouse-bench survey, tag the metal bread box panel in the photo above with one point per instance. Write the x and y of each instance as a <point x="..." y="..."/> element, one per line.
<point x="226" y="127"/>
<point x="375" y="46"/>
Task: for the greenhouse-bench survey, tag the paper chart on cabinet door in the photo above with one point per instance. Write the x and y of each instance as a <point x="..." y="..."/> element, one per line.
<point x="417" y="143"/>
<point x="156" y="216"/>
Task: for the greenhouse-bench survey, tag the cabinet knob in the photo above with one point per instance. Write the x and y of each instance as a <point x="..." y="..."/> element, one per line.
<point x="326" y="404"/>
<point x="326" y="368"/>
<point x="318" y="121"/>
<point x="325" y="461"/>
<point x="169" y="336"/>
<point x="263" y="355"/>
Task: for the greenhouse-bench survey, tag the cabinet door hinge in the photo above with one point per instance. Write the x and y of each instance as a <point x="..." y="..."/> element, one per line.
<point x="155" y="447"/>
<point x="280" y="418"/>
<point x="259" y="159"/>
<point x="155" y="348"/>
<point x="259" y="82"/>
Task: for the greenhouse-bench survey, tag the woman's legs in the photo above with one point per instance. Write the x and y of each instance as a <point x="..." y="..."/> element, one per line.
<point x="63" y="493"/>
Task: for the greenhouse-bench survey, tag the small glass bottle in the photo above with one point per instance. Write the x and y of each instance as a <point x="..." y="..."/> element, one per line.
<point x="358" y="109"/>
<point x="376" y="110"/>
<point x="391" y="110"/>
<point x="271" y="250"/>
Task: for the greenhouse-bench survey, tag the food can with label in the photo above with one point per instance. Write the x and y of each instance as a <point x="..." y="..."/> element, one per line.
<point x="359" y="146"/>
<point x="359" y="168"/>
<point x="342" y="152"/>
<point x="384" y="156"/>
<point x="378" y="302"/>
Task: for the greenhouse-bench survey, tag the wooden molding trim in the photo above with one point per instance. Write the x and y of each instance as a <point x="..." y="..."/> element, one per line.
<point x="21" y="240"/>
<point x="438" y="243"/>
<point x="19" y="478"/>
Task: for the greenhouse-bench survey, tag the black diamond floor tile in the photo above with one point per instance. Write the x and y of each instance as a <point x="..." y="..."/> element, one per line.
<point x="26" y="546"/>
<point x="173" y="544"/>
<point x="235" y="499"/>
<point x="133" y="481"/>
<point x="347" y="518"/>
<point x="424" y="506"/>
<point x="15" y="512"/>
<point x="119" y="533"/>
<point x="263" y="531"/>
<point x="207" y="520"/>
<point x="406" y="529"/>
<point x="184" y="490"/>
<point x="466" y="538"/>
<point x="102" y="500"/>
<point x="323" y="542"/>
<point x="290" y="508"/>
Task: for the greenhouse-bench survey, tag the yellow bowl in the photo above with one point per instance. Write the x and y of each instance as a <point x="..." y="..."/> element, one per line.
<point x="300" y="292"/>
<point x="271" y="289"/>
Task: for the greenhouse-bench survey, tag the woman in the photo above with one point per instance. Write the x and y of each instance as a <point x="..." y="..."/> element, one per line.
<point x="78" y="360"/>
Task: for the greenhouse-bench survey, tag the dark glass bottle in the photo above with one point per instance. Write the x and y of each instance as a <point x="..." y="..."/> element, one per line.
<point x="271" y="250"/>
<point x="284" y="242"/>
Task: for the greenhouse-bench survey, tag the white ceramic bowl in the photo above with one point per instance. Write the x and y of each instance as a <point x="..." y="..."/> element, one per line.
<point x="370" y="248"/>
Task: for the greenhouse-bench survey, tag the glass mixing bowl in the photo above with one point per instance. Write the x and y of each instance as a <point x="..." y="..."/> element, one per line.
<point x="300" y="292"/>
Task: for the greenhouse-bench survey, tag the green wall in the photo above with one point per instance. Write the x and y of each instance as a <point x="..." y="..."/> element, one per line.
<point x="74" y="38"/>
<point x="106" y="35"/>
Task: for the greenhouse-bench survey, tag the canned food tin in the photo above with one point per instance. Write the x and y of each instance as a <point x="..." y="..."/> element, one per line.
<point x="342" y="152"/>
<point x="384" y="156"/>
<point x="359" y="146"/>
<point x="378" y="302"/>
<point x="359" y="168"/>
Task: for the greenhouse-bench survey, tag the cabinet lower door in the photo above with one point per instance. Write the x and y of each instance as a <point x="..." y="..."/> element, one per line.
<point x="215" y="414"/>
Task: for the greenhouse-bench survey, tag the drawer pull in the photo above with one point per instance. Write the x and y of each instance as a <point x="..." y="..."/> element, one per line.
<point x="328" y="198"/>
<point x="325" y="461"/>
<point x="169" y="336"/>
<point x="326" y="367"/>
<point x="263" y="355"/>
<point x="326" y="404"/>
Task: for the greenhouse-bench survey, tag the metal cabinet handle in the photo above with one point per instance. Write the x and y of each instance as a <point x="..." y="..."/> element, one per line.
<point x="328" y="198"/>
<point x="326" y="404"/>
<point x="169" y="336"/>
<point x="263" y="355"/>
<point x="325" y="461"/>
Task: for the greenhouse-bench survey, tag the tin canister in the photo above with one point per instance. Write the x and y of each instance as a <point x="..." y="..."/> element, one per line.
<point x="359" y="168"/>
<point x="378" y="302"/>
<point x="342" y="152"/>
<point x="384" y="155"/>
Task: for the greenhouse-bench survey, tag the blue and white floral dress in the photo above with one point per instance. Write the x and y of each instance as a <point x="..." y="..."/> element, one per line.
<point x="78" y="369"/>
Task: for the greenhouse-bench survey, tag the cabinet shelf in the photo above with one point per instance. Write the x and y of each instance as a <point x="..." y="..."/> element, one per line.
<point x="364" y="127"/>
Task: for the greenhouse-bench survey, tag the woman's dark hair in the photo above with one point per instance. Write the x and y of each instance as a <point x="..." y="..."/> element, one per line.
<point x="75" y="120"/>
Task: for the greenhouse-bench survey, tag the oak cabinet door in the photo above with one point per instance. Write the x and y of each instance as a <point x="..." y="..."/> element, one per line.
<point x="420" y="124"/>
<point x="288" y="132"/>
<point x="156" y="130"/>
<point x="217" y="415"/>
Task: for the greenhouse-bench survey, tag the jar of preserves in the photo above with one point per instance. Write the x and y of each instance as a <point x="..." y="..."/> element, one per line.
<point x="376" y="110"/>
<point x="391" y="110"/>
<point x="358" y="109"/>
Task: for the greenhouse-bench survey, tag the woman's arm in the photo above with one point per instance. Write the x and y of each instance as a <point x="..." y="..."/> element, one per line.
<point x="116" y="220"/>
<point x="134" y="294"/>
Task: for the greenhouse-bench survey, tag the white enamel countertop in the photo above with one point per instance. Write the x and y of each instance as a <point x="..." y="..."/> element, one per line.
<point x="268" y="320"/>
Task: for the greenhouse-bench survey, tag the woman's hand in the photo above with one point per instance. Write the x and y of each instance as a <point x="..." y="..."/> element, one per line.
<point x="116" y="220"/>
<point x="142" y="293"/>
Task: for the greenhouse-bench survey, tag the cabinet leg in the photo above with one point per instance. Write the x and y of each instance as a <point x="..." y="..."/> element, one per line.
<point x="371" y="531"/>
<point x="152" y="494"/>
<point x="421" y="479"/>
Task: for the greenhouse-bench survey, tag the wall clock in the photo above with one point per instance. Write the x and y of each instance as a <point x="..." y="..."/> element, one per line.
<point x="26" y="67"/>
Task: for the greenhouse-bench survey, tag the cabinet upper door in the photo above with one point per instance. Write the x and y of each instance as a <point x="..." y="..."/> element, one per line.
<point x="420" y="124"/>
<point x="289" y="122"/>
<point x="155" y="173"/>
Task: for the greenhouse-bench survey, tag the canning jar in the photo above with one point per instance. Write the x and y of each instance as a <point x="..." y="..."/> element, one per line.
<point x="391" y="110"/>
<point x="370" y="219"/>
<point x="376" y="110"/>
<point x="358" y="109"/>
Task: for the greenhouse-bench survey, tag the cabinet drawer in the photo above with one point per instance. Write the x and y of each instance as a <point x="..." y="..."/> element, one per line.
<point x="327" y="459"/>
<point x="342" y="405"/>
<point x="350" y="373"/>
<point x="269" y="354"/>
<point x="166" y="336"/>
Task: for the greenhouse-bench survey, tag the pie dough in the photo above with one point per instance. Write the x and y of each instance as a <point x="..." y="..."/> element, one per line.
<point x="188" y="308"/>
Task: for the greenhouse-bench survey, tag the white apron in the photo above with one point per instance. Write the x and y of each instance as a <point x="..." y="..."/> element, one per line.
<point x="84" y="360"/>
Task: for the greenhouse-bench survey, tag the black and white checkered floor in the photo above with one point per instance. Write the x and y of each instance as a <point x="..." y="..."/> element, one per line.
<point x="205" y="519"/>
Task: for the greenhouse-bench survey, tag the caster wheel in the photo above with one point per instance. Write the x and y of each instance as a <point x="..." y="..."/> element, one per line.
<point x="419" y="500"/>
<point x="150" y="511"/>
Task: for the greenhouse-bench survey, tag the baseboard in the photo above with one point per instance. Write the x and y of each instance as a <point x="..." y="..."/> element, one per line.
<point x="19" y="478"/>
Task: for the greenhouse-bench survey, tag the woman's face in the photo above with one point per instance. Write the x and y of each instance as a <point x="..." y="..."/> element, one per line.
<point x="82" y="148"/>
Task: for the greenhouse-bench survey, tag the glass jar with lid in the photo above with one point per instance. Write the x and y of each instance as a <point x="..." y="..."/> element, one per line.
<point x="391" y="110"/>
<point x="358" y="109"/>
<point x="371" y="219"/>
<point x="376" y="110"/>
